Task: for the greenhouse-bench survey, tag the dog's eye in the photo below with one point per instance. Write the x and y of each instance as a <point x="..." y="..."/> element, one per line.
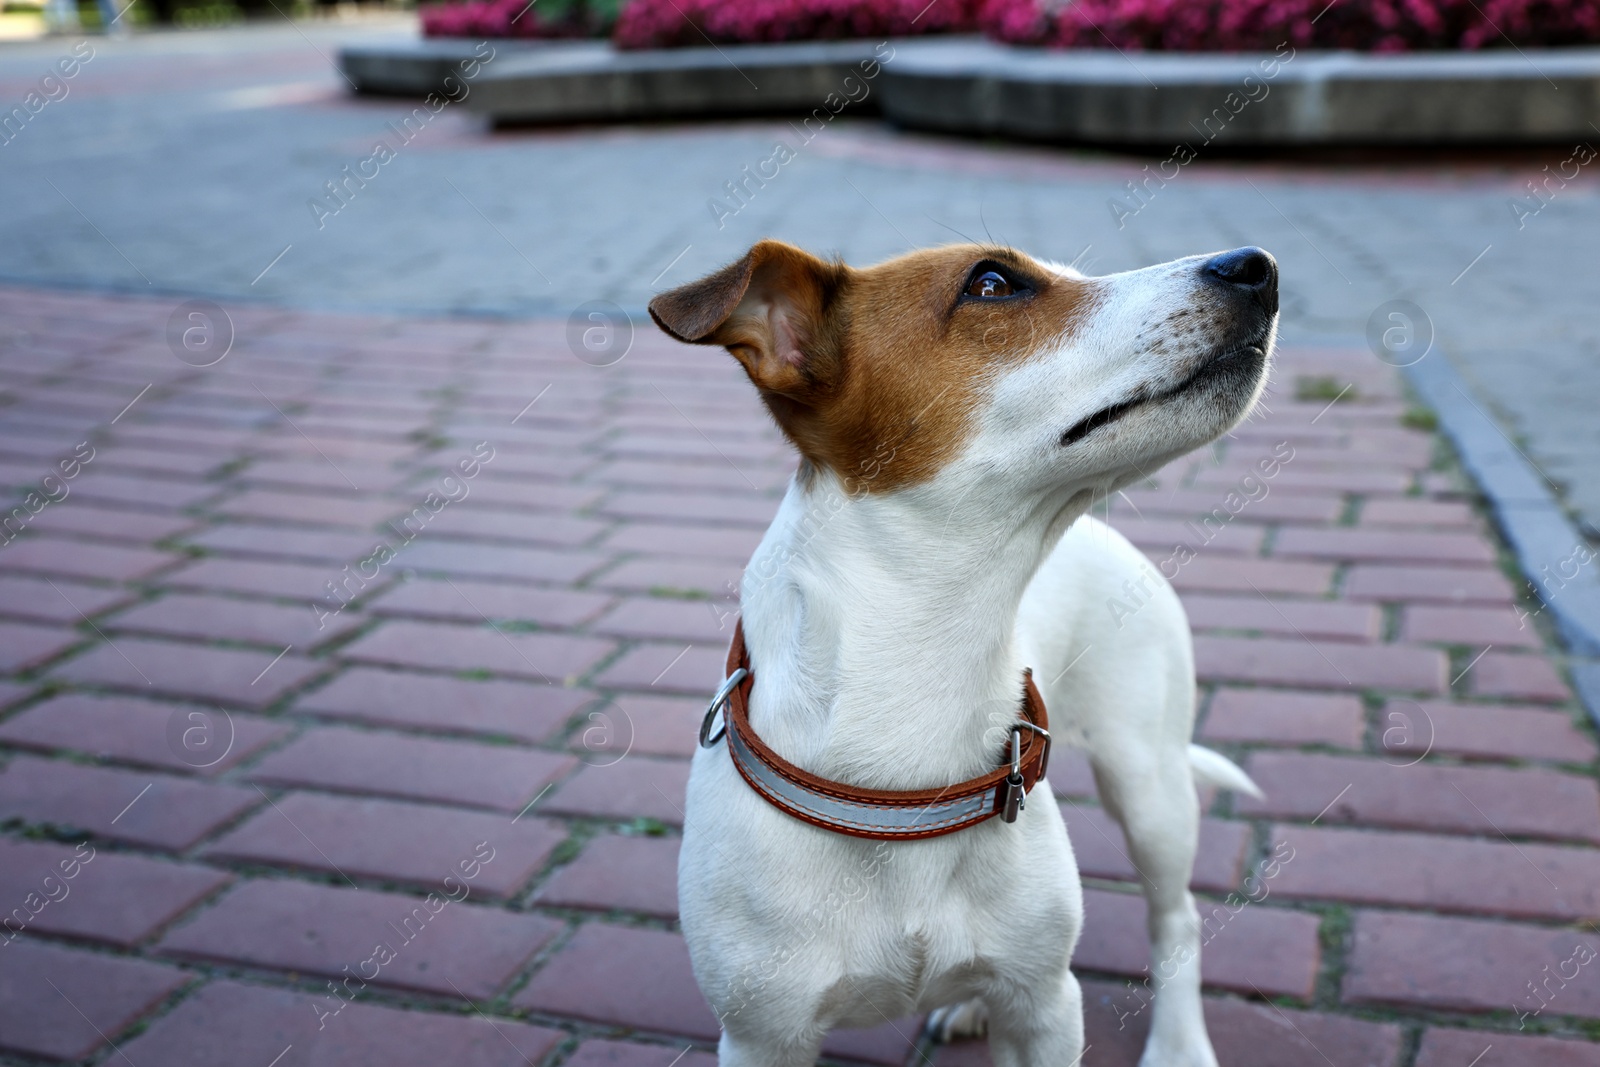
<point x="990" y="285"/>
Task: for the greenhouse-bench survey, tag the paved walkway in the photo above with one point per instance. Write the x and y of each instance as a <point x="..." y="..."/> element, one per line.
<point x="187" y="163"/>
<point x="349" y="684"/>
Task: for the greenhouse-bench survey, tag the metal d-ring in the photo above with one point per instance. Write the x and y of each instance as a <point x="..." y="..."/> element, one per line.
<point x="719" y="702"/>
<point x="1044" y="735"/>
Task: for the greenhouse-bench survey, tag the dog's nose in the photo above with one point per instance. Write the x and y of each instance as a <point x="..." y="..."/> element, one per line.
<point x="1251" y="270"/>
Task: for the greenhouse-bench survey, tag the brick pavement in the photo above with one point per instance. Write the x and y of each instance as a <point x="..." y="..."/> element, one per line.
<point x="219" y="139"/>
<point x="272" y="794"/>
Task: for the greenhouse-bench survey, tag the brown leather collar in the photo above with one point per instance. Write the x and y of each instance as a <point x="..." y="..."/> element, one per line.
<point x="884" y="815"/>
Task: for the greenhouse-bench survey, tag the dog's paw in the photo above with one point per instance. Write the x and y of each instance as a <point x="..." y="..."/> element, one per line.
<point x="1193" y="1053"/>
<point x="955" y="1021"/>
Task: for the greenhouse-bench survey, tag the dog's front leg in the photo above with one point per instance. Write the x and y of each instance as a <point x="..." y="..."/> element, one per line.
<point x="750" y="1050"/>
<point x="1038" y="1028"/>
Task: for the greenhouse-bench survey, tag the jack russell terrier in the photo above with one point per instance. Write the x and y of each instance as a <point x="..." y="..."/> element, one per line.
<point x="860" y="840"/>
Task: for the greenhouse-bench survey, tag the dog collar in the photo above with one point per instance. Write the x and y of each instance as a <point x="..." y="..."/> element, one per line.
<point x="883" y="815"/>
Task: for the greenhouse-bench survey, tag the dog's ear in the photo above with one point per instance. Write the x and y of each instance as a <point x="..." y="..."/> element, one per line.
<point x="772" y="309"/>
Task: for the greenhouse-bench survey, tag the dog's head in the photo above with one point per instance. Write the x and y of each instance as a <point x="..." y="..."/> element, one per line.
<point x="987" y="360"/>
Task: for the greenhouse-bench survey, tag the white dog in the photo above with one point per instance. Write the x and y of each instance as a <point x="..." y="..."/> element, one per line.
<point x="957" y="412"/>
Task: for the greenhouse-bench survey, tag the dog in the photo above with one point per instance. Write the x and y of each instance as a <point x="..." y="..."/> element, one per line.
<point x="957" y="412"/>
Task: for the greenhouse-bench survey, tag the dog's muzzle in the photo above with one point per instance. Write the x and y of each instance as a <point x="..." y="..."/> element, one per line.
<point x="880" y="814"/>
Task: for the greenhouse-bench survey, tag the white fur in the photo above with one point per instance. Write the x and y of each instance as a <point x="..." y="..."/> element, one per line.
<point x="888" y="633"/>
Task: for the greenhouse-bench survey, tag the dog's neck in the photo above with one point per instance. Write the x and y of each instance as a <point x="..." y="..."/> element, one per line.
<point x="881" y="629"/>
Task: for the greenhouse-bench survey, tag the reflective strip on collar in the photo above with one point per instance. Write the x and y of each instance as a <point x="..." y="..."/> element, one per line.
<point x="854" y="818"/>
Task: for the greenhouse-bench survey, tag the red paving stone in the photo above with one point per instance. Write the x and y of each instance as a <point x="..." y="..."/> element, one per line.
<point x="524" y="711"/>
<point x="391" y="841"/>
<point x="1483" y="731"/>
<point x="1240" y="538"/>
<point x="199" y="672"/>
<point x="1334" y="619"/>
<point x="312" y="509"/>
<point x="1279" y="661"/>
<point x="1255" y="947"/>
<point x="551" y="658"/>
<point x="420" y="768"/>
<point x="1429" y="585"/>
<point x="665" y="668"/>
<point x="267" y="578"/>
<point x="734" y="544"/>
<point x="1451" y="1048"/>
<point x="1417" y="960"/>
<point x="642" y="979"/>
<point x="622" y="873"/>
<point x="221" y="618"/>
<point x="1234" y="574"/>
<point x="138" y="807"/>
<point x="630" y="1054"/>
<point x="1102" y="851"/>
<point x="431" y="944"/>
<point x="63" y="1004"/>
<point x="605" y="541"/>
<point x="645" y="724"/>
<point x="1284" y="716"/>
<point x="85" y="519"/>
<point x="1476" y="627"/>
<point x="1189" y="503"/>
<point x="479" y="560"/>
<point x="335" y="547"/>
<point x="653" y="619"/>
<point x="624" y="976"/>
<point x="230" y="1022"/>
<point x="57" y="600"/>
<point x="53" y="556"/>
<point x="94" y="894"/>
<point x="1389" y="511"/>
<point x="1430" y="796"/>
<point x="469" y="601"/>
<point x="635" y="787"/>
<point x="1516" y="677"/>
<point x="1351" y="545"/>
<point x="673" y="577"/>
<point x="1244" y="1035"/>
<point x="24" y="646"/>
<point x="146" y="732"/>
<point x="1446" y="874"/>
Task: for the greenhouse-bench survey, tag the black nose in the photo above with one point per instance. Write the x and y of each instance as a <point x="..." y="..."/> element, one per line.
<point x="1252" y="270"/>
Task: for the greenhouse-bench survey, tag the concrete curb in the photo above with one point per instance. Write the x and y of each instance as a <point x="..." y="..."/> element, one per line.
<point x="965" y="85"/>
<point x="590" y="81"/>
<point x="1288" y="98"/>
<point x="1546" y="543"/>
<point x="418" y="67"/>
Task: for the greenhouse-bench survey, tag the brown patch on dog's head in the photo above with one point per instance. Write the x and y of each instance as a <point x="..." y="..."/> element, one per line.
<point x="875" y="373"/>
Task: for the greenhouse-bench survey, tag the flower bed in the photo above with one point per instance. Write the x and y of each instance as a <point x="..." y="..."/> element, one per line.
<point x="549" y="19"/>
<point x="1265" y="25"/>
<point x="1172" y="25"/>
<point x="679" y="23"/>
<point x="686" y="23"/>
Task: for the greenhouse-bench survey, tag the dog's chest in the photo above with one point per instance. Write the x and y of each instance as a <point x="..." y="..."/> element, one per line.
<point x="791" y="919"/>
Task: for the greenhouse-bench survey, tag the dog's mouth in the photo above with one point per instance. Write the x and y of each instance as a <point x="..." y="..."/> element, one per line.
<point x="1237" y="361"/>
